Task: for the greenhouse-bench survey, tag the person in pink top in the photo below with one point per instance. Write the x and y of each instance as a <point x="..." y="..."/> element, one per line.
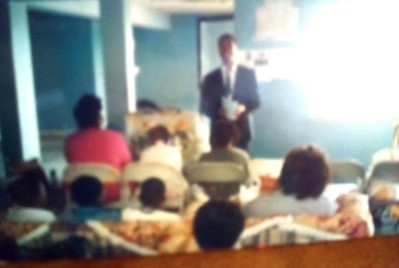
<point x="91" y="143"/>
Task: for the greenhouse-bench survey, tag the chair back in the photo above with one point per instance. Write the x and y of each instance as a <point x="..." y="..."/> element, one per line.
<point x="136" y="173"/>
<point x="109" y="177"/>
<point x="386" y="171"/>
<point x="220" y="180"/>
<point x="348" y="171"/>
<point x="383" y="182"/>
<point x="216" y="172"/>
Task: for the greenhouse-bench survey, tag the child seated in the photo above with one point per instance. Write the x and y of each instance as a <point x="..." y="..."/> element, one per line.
<point x="86" y="193"/>
<point x="152" y="196"/>
<point x="29" y="199"/>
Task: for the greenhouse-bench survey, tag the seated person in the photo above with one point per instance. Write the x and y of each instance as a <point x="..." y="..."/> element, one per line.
<point x="29" y="198"/>
<point x="218" y="224"/>
<point x="86" y="192"/>
<point x="303" y="178"/>
<point x="152" y="196"/>
<point x="161" y="150"/>
<point x="223" y="135"/>
<point x="145" y="105"/>
<point x="91" y="143"/>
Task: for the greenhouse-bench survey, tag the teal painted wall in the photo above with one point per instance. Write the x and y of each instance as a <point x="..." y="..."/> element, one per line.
<point x="63" y="69"/>
<point x="282" y="122"/>
<point x="168" y="64"/>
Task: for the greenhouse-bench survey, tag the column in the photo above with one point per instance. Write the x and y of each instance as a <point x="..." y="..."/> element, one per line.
<point x="98" y="66"/>
<point x="19" y="125"/>
<point x="118" y="49"/>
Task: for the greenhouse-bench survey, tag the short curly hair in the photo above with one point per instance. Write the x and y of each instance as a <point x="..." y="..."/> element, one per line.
<point x="305" y="173"/>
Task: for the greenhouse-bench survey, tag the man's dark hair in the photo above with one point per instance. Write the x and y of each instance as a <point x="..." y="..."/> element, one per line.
<point x="28" y="192"/>
<point x="86" y="191"/>
<point x="305" y="173"/>
<point x="224" y="37"/>
<point x="158" y="133"/>
<point x="218" y="224"/>
<point x="87" y="111"/>
<point x="223" y="133"/>
<point x="152" y="192"/>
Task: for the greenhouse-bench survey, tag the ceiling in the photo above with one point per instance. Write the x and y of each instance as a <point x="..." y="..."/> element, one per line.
<point x="190" y="6"/>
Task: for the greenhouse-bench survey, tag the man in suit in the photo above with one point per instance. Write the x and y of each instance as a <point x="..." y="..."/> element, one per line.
<point x="231" y="91"/>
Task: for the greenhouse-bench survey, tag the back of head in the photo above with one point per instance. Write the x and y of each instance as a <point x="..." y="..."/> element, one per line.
<point x="28" y="191"/>
<point x="223" y="133"/>
<point x="86" y="191"/>
<point x="87" y="111"/>
<point x="152" y="193"/>
<point x="158" y="133"/>
<point x="218" y="224"/>
<point x="143" y="104"/>
<point x="305" y="173"/>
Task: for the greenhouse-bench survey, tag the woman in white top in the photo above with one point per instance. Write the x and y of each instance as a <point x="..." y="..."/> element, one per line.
<point x="161" y="151"/>
<point x="152" y="195"/>
<point x="303" y="178"/>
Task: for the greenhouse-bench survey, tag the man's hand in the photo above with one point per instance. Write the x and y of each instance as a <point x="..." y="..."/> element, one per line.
<point x="240" y="110"/>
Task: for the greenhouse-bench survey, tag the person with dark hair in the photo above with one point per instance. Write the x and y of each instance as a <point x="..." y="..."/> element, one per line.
<point x="86" y="192"/>
<point x="304" y="176"/>
<point x="161" y="150"/>
<point x="223" y="134"/>
<point x="152" y="196"/>
<point x="231" y="92"/>
<point x="29" y="198"/>
<point x="218" y="224"/>
<point x="91" y="143"/>
<point x="147" y="105"/>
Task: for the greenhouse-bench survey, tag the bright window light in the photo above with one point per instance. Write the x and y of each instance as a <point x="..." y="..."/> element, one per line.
<point x="350" y="57"/>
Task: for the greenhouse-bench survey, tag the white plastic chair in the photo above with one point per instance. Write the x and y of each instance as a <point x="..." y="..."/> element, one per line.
<point x="220" y="179"/>
<point x="175" y="183"/>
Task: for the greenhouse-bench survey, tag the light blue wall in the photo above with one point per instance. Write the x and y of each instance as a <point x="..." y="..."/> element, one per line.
<point x="168" y="64"/>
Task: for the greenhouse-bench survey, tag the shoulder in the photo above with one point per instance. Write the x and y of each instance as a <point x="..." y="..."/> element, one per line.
<point x="257" y="207"/>
<point x="213" y="74"/>
<point x="246" y="68"/>
<point x="327" y="204"/>
<point x="241" y="153"/>
<point x="112" y="134"/>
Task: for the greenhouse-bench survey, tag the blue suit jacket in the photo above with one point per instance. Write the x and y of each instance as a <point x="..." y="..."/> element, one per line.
<point x="245" y="91"/>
